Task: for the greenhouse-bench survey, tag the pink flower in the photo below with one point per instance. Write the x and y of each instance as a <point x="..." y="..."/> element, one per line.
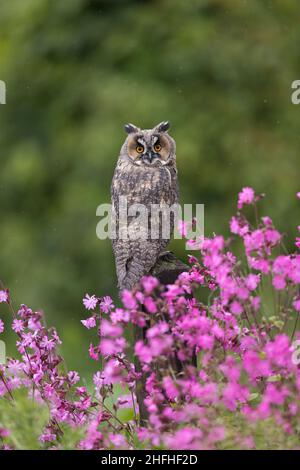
<point x="261" y="264"/>
<point x="125" y="401"/>
<point x="93" y="353"/>
<point x="187" y="438"/>
<point x="238" y="227"/>
<point x="17" y="326"/>
<point x="233" y="394"/>
<point x="182" y="228"/>
<point x="279" y="351"/>
<point x="120" y="315"/>
<point x="109" y="347"/>
<point x="150" y="305"/>
<point x="47" y="436"/>
<point x="272" y="236"/>
<point x="267" y="221"/>
<point x="205" y="342"/>
<point x="173" y="291"/>
<point x="242" y="293"/>
<point x="1" y="326"/>
<point x="106" y="304"/>
<point x="73" y="377"/>
<point x="90" y="302"/>
<point x="4" y="295"/>
<point x="4" y="433"/>
<point x="89" y="322"/>
<point x="254" y="241"/>
<point x="234" y="225"/>
<point x="230" y="370"/>
<point x="252" y="281"/>
<point x="255" y="366"/>
<point x="170" y="388"/>
<point x="118" y="440"/>
<point x="108" y="329"/>
<point x="278" y="282"/>
<point x="236" y="308"/>
<point x="296" y="305"/>
<point x="143" y="352"/>
<point x="128" y="299"/>
<point x="246" y="196"/>
<point x="93" y="437"/>
<point x="255" y="302"/>
<point x="98" y="379"/>
<point x="149" y="283"/>
<point x="298" y="195"/>
<point x="112" y="372"/>
<point x="47" y="343"/>
<point x="282" y="265"/>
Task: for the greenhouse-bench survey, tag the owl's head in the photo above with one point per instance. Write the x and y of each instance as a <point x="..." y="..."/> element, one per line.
<point x="149" y="147"/>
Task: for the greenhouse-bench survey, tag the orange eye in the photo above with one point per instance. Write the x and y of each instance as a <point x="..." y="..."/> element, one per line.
<point x="139" y="149"/>
<point x="157" y="147"/>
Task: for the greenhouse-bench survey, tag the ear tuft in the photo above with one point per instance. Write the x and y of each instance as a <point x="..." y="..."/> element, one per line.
<point x="130" y="128"/>
<point x="163" y="126"/>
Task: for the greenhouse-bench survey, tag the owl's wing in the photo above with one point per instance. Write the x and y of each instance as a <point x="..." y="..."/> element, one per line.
<point x="143" y="256"/>
<point x="121" y="248"/>
<point x="122" y="255"/>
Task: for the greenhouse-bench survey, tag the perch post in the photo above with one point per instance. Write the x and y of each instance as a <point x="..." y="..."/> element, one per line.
<point x="167" y="268"/>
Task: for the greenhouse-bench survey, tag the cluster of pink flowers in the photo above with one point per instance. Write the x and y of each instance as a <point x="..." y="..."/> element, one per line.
<point x="217" y="345"/>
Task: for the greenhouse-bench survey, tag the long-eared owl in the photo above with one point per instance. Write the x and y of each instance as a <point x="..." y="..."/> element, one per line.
<point x="145" y="177"/>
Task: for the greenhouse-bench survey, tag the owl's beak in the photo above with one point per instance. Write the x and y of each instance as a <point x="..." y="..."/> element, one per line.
<point x="149" y="156"/>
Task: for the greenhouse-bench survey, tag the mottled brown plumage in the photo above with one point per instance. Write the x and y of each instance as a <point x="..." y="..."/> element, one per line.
<point x="145" y="174"/>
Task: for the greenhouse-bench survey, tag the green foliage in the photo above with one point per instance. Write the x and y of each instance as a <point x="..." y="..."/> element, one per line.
<point x="77" y="70"/>
<point x="266" y="434"/>
<point x="25" y="419"/>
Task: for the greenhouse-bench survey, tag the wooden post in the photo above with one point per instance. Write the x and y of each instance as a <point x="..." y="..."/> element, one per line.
<point x="166" y="269"/>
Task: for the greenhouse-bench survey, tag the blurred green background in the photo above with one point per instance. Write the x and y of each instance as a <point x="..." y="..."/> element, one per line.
<point x="77" y="70"/>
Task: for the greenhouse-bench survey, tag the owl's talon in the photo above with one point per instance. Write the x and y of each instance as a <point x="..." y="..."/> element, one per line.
<point x="167" y="255"/>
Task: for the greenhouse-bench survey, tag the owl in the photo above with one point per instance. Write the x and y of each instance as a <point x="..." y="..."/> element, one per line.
<point x="146" y="175"/>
